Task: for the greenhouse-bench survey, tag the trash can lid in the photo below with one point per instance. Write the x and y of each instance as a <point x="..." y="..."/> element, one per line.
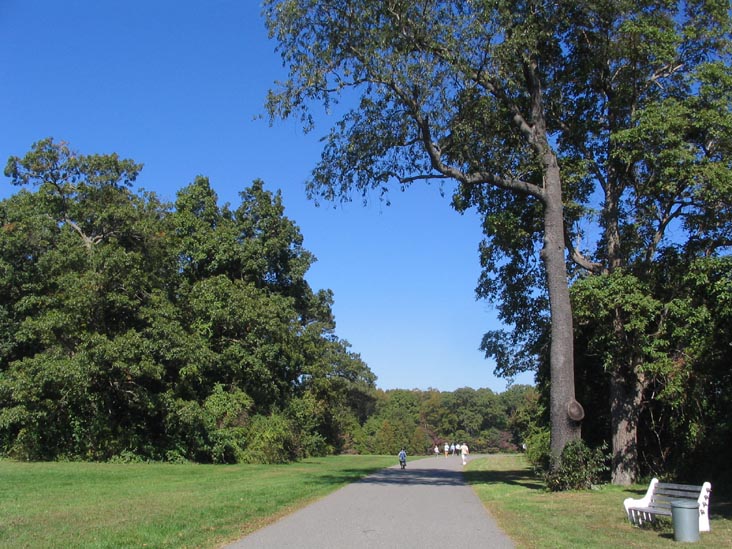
<point x="685" y="504"/>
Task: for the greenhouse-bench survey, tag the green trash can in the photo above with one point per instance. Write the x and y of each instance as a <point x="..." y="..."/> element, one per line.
<point x="685" y="516"/>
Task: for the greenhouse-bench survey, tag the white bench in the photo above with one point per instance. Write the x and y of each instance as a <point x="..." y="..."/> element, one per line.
<point x="658" y="498"/>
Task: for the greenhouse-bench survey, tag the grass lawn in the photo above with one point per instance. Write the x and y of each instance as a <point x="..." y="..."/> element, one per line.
<point x="159" y="505"/>
<point x="534" y="518"/>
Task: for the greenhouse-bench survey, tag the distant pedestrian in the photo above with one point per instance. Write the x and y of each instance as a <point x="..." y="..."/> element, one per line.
<point x="464" y="451"/>
<point x="437" y="451"/>
<point x="403" y="458"/>
<point x="452" y="448"/>
<point x="447" y="449"/>
<point x="457" y="449"/>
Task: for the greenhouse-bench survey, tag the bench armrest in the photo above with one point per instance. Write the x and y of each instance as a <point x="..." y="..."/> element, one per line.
<point x="703" y="500"/>
<point x="645" y="501"/>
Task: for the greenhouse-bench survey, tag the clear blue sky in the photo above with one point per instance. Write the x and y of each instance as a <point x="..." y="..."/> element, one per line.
<point x="178" y="85"/>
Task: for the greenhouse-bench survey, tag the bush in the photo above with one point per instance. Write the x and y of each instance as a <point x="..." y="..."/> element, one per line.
<point x="538" y="450"/>
<point x="305" y="413"/>
<point x="127" y="457"/>
<point x="271" y="439"/>
<point x="579" y="468"/>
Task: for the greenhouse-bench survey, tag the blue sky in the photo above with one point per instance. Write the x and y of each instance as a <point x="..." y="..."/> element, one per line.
<point x="179" y="85"/>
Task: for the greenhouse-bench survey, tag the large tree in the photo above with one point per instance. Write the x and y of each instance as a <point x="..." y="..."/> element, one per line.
<point x="82" y="264"/>
<point x="642" y="118"/>
<point x="616" y="113"/>
<point x="649" y="130"/>
<point x="128" y="326"/>
<point x="442" y="91"/>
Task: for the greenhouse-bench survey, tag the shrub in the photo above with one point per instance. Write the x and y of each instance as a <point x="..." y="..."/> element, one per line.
<point x="579" y="468"/>
<point x="127" y="457"/>
<point x="538" y="450"/>
<point x="270" y="439"/>
<point x="306" y="413"/>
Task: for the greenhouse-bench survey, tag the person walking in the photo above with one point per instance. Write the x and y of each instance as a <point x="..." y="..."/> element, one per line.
<point x="437" y="451"/>
<point x="464" y="452"/>
<point x="403" y="458"/>
<point x="447" y="449"/>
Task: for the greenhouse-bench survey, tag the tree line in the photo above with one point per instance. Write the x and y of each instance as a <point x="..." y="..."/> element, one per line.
<point x="418" y="420"/>
<point x="132" y="329"/>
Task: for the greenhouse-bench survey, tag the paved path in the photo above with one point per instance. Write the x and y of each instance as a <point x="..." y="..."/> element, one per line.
<point x="427" y="505"/>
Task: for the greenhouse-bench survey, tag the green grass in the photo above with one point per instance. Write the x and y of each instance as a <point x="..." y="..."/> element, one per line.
<point x="534" y="518"/>
<point x="159" y="505"/>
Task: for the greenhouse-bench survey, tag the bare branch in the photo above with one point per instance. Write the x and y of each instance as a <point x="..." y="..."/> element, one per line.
<point x="578" y="258"/>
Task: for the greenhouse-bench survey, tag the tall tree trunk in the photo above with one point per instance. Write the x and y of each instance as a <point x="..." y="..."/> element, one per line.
<point x="626" y="388"/>
<point x="626" y="394"/>
<point x="564" y="429"/>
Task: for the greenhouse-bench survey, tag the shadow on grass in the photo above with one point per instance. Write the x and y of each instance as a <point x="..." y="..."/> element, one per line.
<point x="721" y="507"/>
<point x="518" y="477"/>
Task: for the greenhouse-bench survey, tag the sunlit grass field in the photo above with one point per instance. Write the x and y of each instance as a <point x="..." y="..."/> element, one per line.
<point x="162" y="505"/>
<point x="534" y="518"/>
<point x="159" y="505"/>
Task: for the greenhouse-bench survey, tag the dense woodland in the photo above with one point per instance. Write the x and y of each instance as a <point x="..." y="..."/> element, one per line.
<point x="137" y="330"/>
<point x="133" y="329"/>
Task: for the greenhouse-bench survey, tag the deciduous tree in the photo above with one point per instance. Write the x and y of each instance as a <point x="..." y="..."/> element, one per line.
<point x="647" y="126"/>
<point x="442" y="91"/>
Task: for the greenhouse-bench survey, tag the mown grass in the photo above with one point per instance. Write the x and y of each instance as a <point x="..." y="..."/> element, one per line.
<point x="99" y="505"/>
<point x="534" y="518"/>
<point x="157" y="505"/>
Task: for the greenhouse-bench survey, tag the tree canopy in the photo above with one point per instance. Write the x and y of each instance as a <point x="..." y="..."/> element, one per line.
<point x="181" y="331"/>
<point x="131" y="329"/>
<point x="649" y="136"/>
<point x="442" y="91"/>
<point x="596" y="133"/>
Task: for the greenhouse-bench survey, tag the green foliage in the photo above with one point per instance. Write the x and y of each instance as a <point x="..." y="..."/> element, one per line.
<point x="418" y="420"/>
<point x="538" y="452"/>
<point x="461" y="91"/>
<point x="132" y="330"/>
<point x="598" y="299"/>
<point x="656" y="78"/>
<point x="135" y="330"/>
<point x="674" y="329"/>
<point x="226" y="416"/>
<point x="307" y="416"/>
<point x="270" y="439"/>
<point x="579" y="468"/>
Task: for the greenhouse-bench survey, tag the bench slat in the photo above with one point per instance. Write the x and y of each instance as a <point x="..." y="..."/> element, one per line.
<point x="669" y="494"/>
<point x="689" y="487"/>
<point x="686" y="493"/>
<point x="654" y="510"/>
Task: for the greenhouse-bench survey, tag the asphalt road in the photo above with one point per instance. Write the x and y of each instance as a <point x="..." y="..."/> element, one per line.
<point x="426" y="505"/>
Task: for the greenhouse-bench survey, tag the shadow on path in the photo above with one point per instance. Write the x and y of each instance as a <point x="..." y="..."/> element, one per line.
<point x="416" y="475"/>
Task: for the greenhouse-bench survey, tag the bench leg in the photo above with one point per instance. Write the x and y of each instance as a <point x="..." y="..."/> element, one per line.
<point x="704" y="522"/>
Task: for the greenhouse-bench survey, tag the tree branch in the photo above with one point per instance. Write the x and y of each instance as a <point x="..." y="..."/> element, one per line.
<point x="578" y="258"/>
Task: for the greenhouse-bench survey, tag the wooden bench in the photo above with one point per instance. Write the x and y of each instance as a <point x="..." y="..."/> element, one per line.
<point x="658" y="498"/>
